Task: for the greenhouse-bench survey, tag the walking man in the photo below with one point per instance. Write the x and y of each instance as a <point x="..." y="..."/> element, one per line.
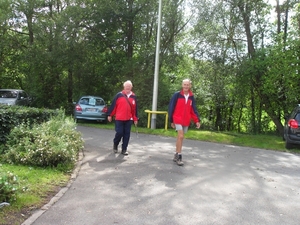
<point x="182" y="109"/>
<point x="124" y="108"/>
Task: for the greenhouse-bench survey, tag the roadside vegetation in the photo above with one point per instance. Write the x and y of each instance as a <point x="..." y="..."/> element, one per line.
<point x="32" y="187"/>
<point x="37" y="160"/>
<point x="244" y="65"/>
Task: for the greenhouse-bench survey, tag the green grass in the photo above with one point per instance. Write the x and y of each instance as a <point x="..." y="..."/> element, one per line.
<point x="36" y="186"/>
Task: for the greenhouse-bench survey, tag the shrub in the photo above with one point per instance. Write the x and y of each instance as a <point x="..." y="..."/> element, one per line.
<point x="11" y="116"/>
<point x="53" y="143"/>
<point x="8" y="186"/>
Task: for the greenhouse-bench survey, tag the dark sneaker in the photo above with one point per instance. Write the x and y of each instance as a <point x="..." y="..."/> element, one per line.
<point x="115" y="148"/>
<point x="179" y="160"/>
<point x="124" y="152"/>
<point x="175" y="157"/>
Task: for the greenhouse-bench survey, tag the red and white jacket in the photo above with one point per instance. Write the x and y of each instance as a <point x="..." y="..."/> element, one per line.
<point x="181" y="111"/>
<point x="123" y="107"/>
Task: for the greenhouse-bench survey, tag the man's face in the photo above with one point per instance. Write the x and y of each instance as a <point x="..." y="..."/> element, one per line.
<point x="186" y="86"/>
<point x="127" y="88"/>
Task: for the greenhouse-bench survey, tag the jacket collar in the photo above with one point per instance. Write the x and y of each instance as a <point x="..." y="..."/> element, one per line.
<point x="190" y="93"/>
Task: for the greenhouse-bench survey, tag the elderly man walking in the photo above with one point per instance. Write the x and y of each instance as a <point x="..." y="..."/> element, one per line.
<point x="182" y="108"/>
<point x="124" y="108"/>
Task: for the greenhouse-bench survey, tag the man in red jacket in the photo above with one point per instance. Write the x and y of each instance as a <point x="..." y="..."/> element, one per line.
<point x="182" y="109"/>
<point x="124" y="108"/>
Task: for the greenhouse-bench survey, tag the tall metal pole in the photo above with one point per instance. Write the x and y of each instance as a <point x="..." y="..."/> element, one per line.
<point x="155" y="85"/>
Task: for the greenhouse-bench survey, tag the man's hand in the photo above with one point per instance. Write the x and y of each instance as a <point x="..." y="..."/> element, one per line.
<point x="109" y="118"/>
<point x="198" y="125"/>
<point x="172" y="125"/>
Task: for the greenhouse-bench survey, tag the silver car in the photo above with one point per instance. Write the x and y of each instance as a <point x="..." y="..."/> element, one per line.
<point x="90" y="108"/>
<point x="14" y="97"/>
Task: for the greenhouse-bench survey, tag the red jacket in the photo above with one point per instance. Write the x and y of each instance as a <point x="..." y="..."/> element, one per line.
<point x="180" y="111"/>
<point x="123" y="109"/>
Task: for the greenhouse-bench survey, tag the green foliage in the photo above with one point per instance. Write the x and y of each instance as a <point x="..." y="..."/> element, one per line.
<point x="11" y="116"/>
<point x="54" y="143"/>
<point x="93" y="49"/>
<point x="8" y="186"/>
<point x="34" y="187"/>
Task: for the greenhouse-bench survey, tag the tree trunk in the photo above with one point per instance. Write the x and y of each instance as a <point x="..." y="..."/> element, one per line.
<point x="276" y="121"/>
<point x="70" y="86"/>
<point x="278" y="17"/>
<point x="286" y="21"/>
<point x="245" y="14"/>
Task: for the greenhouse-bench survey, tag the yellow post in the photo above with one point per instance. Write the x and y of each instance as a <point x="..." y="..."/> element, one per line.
<point x="149" y="116"/>
<point x="166" y="123"/>
<point x="157" y="112"/>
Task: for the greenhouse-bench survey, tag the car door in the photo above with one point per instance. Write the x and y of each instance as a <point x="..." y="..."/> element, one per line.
<point x="22" y="98"/>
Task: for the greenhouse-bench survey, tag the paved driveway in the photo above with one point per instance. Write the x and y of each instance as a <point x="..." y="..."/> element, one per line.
<point x="219" y="184"/>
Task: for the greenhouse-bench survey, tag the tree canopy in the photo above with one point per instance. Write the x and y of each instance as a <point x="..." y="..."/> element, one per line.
<point x="241" y="55"/>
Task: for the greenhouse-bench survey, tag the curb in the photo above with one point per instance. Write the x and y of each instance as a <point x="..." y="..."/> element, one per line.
<point x="53" y="200"/>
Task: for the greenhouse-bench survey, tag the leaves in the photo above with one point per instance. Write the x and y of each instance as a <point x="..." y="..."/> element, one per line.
<point x="234" y="53"/>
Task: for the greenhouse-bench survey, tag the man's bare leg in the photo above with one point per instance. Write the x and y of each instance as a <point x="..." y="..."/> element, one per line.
<point x="179" y="141"/>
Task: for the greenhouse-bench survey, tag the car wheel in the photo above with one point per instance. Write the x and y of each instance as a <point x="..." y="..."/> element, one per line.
<point x="288" y="145"/>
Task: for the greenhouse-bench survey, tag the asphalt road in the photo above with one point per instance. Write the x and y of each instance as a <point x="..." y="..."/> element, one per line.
<point x="219" y="184"/>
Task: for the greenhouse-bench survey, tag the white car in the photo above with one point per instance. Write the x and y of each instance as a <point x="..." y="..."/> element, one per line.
<point x="14" y="97"/>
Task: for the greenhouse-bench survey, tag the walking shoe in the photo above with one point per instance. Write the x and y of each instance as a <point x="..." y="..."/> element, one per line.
<point x="124" y="152"/>
<point x="178" y="159"/>
<point x="175" y="157"/>
<point x="115" y="148"/>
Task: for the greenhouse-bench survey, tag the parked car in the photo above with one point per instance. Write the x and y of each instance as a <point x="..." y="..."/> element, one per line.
<point x="90" y="108"/>
<point x="14" y="97"/>
<point x="291" y="133"/>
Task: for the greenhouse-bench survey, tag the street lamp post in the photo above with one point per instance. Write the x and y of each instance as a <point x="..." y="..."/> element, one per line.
<point x="156" y="70"/>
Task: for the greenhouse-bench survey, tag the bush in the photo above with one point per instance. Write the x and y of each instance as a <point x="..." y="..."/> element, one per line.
<point x="54" y="143"/>
<point x="8" y="186"/>
<point x="11" y="116"/>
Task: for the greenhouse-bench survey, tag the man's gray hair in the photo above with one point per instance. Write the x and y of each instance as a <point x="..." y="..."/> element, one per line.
<point x="127" y="82"/>
<point x="187" y="80"/>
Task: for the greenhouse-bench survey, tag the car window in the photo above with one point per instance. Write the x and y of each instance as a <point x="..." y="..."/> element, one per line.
<point x="8" y="94"/>
<point x="23" y="94"/>
<point x="20" y="94"/>
<point x="297" y="117"/>
<point x="92" y="101"/>
<point x="84" y="101"/>
<point x="100" y="102"/>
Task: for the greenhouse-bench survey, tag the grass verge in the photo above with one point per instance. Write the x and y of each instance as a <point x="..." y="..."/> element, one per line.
<point x="36" y="187"/>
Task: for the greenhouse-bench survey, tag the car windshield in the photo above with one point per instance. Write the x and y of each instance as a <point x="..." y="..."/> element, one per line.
<point x="92" y="101"/>
<point x="8" y="94"/>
